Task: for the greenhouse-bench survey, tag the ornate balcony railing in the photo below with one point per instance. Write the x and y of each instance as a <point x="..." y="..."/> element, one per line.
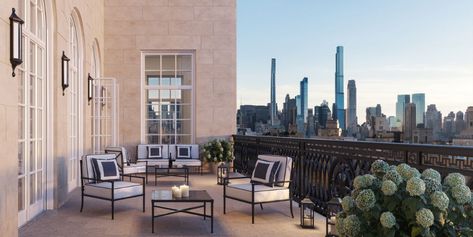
<point x="323" y="169"/>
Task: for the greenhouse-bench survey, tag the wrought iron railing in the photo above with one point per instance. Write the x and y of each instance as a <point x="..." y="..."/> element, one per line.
<point x="323" y="169"/>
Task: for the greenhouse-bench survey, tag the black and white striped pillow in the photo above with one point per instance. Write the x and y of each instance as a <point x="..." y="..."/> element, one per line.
<point x="265" y="171"/>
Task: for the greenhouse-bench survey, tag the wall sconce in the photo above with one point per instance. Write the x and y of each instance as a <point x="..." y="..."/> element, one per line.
<point x="16" y="47"/>
<point x="65" y="72"/>
<point x="90" y="85"/>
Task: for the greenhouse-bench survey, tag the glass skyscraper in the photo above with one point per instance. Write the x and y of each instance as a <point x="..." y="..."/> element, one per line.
<point x="304" y="95"/>
<point x="419" y="100"/>
<point x="339" y="94"/>
<point x="273" y="92"/>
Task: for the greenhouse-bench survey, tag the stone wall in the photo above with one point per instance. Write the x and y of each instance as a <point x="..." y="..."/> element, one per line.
<point x="207" y="27"/>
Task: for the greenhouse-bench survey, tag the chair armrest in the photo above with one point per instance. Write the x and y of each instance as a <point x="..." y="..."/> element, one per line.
<point x="243" y="177"/>
<point x="92" y="179"/>
<point x="134" y="176"/>
<point x="281" y="182"/>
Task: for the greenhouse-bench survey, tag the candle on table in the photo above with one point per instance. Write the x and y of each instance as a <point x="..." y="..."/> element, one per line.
<point x="184" y="190"/>
<point x="174" y="190"/>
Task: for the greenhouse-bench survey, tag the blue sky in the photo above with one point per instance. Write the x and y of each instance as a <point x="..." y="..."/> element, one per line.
<point x="391" y="47"/>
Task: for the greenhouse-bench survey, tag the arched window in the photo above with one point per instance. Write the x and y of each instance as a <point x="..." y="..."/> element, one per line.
<point x="74" y="102"/>
<point x="32" y="112"/>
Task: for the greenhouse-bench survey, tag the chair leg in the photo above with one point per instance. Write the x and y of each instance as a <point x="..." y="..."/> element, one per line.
<point x="252" y="213"/>
<point x="143" y="202"/>
<point x="261" y="205"/>
<point x="113" y="209"/>
<point x="82" y="200"/>
<point x="290" y="207"/>
<point x="224" y="200"/>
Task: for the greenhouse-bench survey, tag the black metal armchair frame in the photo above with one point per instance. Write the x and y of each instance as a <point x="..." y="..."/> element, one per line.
<point x="112" y="198"/>
<point x="252" y="202"/>
<point x="124" y="163"/>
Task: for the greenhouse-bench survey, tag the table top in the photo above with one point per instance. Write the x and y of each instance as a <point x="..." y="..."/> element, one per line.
<point x="194" y="196"/>
<point x="177" y="167"/>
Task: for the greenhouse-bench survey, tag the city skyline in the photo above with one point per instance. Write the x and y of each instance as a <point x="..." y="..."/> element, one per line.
<point x="419" y="60"/>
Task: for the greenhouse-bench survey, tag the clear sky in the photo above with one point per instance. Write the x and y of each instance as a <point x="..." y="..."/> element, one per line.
<point x="390" y="47"/>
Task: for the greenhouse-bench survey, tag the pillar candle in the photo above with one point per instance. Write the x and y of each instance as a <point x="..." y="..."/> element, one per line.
<point x="184" y="190"/>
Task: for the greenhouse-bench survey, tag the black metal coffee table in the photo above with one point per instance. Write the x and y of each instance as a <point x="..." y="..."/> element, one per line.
<point x="173" y="171"/>
<point x="195" y="196"/>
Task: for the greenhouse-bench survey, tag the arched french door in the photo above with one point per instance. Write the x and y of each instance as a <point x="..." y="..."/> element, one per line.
<point x="32" y="76"/>
<point x="74" y="99"/>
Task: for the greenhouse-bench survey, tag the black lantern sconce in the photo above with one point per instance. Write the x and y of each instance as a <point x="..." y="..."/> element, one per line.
<point x="65" y="72"/>
<point x="90" y="87"/>
<point x="307" y="214"/>
<point x="223" y="171"/>
<point x="334" y="206"/>
<point x="16" y="46"/>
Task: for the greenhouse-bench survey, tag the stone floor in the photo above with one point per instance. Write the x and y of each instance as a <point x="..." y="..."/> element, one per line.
<point x="95" y="220"/>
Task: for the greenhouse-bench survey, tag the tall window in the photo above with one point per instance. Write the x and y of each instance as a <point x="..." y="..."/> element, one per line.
<point x="73" y="103"/>
<point x="168" y="98"/>
<point x="31" y="112"/>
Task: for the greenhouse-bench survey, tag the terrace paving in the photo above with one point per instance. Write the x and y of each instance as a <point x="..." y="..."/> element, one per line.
<point x="95" y="220"/>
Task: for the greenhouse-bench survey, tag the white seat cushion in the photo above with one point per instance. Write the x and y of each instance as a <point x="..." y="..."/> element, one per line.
<point x="154" y="162"/>
<point x="188" y="162"/>
<point x="263" y="193"/>
<point x="122" y="189"/>
<point x="134" y="168"/>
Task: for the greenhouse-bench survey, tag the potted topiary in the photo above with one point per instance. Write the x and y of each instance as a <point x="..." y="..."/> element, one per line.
<point x="216" y="152"/>
<point x="401" y="201"/>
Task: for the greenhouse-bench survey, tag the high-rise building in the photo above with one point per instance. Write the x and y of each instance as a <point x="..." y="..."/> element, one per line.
<point x="252" y="114"/>
<point x="469" y="118"/>
<point x="433" y="120"/>
<point x="409" y="121"/>
<point x="339" y="94"/>
<point x="299" y="118"/>
<point x="402" y="100"/>
<point x="273" y="92"/>
<point x="449" y="125"/>
<point x="459" y="122"/>
<point x="310" y="128"/>
<point x="378" y="111"/>
<point x="289" y="113"/>
<point x="304" y="95"/>
<point x="322" y="114"/>
<point x="419" y="100"/>
<point x="370" y="115"/>
<point x="351" y="120"/>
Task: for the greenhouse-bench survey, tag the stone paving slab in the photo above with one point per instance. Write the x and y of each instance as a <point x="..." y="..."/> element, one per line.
<point x="274" y="220"/>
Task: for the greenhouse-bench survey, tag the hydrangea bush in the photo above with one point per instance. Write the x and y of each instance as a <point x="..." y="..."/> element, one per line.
<point x="218" y="151"/>
<point x="401" y="201"/>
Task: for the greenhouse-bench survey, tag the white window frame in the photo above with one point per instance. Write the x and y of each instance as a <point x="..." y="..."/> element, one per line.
<point x="32" y="210"/>
<point x="144" y="87"/>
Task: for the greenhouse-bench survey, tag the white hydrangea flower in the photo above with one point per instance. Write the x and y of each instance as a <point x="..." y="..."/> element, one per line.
<point x="388" y="187"/>
<point x="454" y="179"/>
<point x="365" y="200"/>
<point x="440" y="200"/>
<point x="431" y="174"/>
<point x="461" y="194"/>
<point x="425" y="217"/>
<point x="387" y="219"/>
<point x="415" y="186"/>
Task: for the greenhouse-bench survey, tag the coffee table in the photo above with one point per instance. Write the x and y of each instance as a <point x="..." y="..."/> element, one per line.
<point x="174" y="171"/>
<point x="195" y="196"/>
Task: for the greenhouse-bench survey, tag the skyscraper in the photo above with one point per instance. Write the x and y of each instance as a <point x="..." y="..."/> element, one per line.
<point x="304" y="95"/>
<point x="433" y="120"/>
<point x="402" y="100"/>
<point x="351" y="106"/>
<point x="339" y="94"/>
<point x="419" y="100"/>
<point x="409" y="121"/>
<point x="273" y="92"/>
<point x="460" y="124"/>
